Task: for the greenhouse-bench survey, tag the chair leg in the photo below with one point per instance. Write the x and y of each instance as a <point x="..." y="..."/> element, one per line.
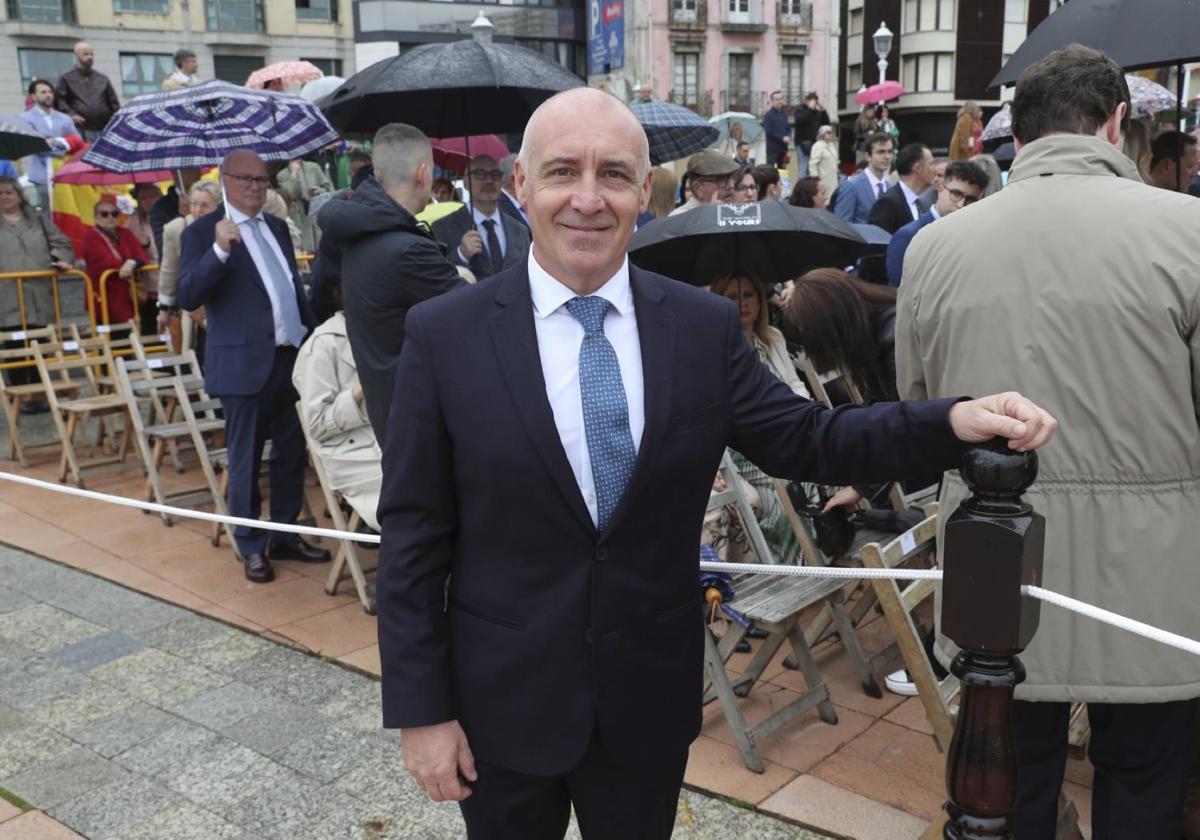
<point x="854" y="648"/>
<point x="812" y="674"/>
<point x="729" y="705"/>
<point x="12" y="413"/>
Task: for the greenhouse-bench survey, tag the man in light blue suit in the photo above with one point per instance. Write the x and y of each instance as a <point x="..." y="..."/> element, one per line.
<point x="55" y="126"/>
<point x="858" y="195"/>
<point x="962" y="185"/>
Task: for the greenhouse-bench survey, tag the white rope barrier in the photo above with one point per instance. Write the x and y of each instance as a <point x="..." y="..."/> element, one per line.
<point x="1148" y="631"/>
<point x="265" y="524"/>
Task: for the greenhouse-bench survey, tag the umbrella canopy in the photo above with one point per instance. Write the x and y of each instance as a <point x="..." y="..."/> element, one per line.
<point x="449" y="89"/>
<point x="881" y="92"/>
<point x="197" y="126"/>
<point x="877" y="238"/>
<point x="440" y="210"/>
<point x="289" y="74"/>
<point x="674" y="132"/>
<point x="1000" y="125"/>
<point x="1147" y="98"/>
<point x="17" y="139"/>
<point x="751" y="127"/>
<point x="452" y="152"/>
<point x="318" y="89"/>
<point x="1004" y="155"/>
<point x="771" y="242"/>
<point x="1134" y="33"/>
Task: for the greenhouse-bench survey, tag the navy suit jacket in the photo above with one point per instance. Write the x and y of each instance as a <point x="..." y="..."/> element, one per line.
<point x="899" y="245"/>
<point x="892" y="211"/>
<point x="449" y="231"/>
<point x="855" y="198"/>
<point x="549" y="627"/>
<point x="239" y="348"/>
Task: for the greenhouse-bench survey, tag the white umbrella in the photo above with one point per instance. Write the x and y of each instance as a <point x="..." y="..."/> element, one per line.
<point x="751" y="127"/>
<point x="319" y="88"/>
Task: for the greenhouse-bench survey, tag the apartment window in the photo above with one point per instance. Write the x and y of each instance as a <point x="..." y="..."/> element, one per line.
<point x="323" y="10"/>
<point x="153" y="7"/>
<point x="43" y="64"/>
<point x="235" y="15"/>
<point x="791" y="78"/>
<point x="928" y="72"/>
<point x="738" y="9"/>
<point x="42" y="11"/>
<point x="235" y="68"/>
<point x="328" y="66"/>
<point x="928" y="15"/>
<point x="741" y="75"/>
<point x="686" y="79"/>
<point x="683" y="10"/>
<point x="793" y="8"/>
<point x="854" y="79"/>
<point x="144" y="72"/>
<point x="856" y="21"/>
<point x="1014" y="11"/>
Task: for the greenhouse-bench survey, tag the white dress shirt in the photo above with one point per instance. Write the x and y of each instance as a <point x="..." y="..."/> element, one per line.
<point x="875" y="182"/>
<point x="910" y="198"/>
<point x="559" y="338"/>
<point x="248" y="239"/>
<point x="480" y="218"/>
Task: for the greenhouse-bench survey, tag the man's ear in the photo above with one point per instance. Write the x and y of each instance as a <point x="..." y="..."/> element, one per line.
<point x="1111" y="130"/>
<point x="646" y="183"/>
<point x="421" y="177"/>
<point x="519" y="181"/>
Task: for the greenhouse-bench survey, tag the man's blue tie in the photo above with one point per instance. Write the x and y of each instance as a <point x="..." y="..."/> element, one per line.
<point x="605" y="411"/>
<point x="879" y="188"/>
<point x="285" y="292"/>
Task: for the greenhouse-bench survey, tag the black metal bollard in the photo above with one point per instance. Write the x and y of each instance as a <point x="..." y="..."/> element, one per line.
<point x="993" y="544"/>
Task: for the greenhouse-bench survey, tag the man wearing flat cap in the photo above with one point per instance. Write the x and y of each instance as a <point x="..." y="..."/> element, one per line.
<point x="710" y="178"/>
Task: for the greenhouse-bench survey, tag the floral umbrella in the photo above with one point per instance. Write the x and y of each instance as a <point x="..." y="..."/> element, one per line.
<point x="1000" y="125"/>
<point x="1147" y="97"/>
<point x="289" y="73"/>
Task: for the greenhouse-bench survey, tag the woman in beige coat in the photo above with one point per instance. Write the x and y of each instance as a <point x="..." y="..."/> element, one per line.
<point x="326" y="379"/>
<point x="823" y="159"/>
<point x="28" y="242"/>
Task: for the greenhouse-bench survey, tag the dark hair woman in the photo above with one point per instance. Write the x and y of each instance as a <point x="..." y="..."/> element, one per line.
<point x="808" y="192"/>
<point x="846" y="326"/>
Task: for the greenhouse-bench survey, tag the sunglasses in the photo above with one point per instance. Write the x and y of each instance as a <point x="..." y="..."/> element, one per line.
<point x="108" y="214"/>
<point x="481" y="174"/>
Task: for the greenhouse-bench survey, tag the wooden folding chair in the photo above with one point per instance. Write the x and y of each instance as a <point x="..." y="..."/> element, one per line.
<point x="14" y="396"/>
<point x="773" y="604"/>
<point x="69" y="413"/>
<point x="939" y="699"/>
<point x="347" y="562"/>
<point x="185" y="389"/>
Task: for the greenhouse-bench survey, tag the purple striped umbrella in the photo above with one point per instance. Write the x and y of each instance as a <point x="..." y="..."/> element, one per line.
<point x="197" y="126"/>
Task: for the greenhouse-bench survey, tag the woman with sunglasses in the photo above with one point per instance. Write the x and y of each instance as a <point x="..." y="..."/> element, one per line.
<point x="108" y="246"/>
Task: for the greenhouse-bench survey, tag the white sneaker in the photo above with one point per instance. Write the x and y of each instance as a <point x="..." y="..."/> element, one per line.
<point x="899" y="682"/>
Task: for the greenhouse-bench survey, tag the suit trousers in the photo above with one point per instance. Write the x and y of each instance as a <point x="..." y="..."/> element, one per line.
<point x="1141" y="752"/>
<point x="249" y="421"/>
<point x="613" y="800"/>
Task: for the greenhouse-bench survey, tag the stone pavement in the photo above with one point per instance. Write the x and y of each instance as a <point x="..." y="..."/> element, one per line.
<point x="122" y="716"/>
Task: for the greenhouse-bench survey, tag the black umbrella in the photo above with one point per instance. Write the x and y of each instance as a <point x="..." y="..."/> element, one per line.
<point x="452" y="89"/>
<point x="17" y="139"/>
<point x="1004" y="154"/>
<point x="1136" y="34"/>
<point x="771" y="242"/>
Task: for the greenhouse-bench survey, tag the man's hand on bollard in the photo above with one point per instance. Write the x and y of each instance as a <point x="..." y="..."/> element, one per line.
<point x="1026" y="425"/>
<point x="439" y="758"/>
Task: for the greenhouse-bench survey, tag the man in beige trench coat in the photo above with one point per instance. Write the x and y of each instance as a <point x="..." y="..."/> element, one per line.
<point x="1080" y="286"/>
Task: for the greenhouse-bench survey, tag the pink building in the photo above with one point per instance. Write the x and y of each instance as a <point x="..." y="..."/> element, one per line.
<point x="727" y="55"/>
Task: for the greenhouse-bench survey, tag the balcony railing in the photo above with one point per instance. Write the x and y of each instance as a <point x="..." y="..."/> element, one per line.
<point x="701" y="103"/>
<point x="794" y="15"/>
<point x="689" y="14"/>
<point x="753" y="102"/>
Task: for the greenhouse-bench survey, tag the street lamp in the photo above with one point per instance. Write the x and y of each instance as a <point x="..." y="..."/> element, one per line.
<point x="883" y="46"/>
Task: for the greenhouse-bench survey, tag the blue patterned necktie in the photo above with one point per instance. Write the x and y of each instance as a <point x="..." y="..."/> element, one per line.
<point x="284" y="290"/>
<point x="605" y="411"/>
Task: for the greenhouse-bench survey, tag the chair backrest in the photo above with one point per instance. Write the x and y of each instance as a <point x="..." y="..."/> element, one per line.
<point x="817" y="382"/>
<point x="22" y="356"/>
<point x="58" y="360"/>
<point x="145" y="347"/>
<point x="898" y="605"/>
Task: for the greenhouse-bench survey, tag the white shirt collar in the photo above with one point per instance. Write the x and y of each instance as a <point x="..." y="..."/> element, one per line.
<point x="481" y="217"/>
<point x="933" y="209"/>
<point x="909" y="195"/>
<point x="237" y="216"/>
<point x="549" y="295"/>
<point x="871" y="177"/>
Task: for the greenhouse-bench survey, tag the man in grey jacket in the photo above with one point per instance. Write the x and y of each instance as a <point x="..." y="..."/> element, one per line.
<point x="1078" y="284"/>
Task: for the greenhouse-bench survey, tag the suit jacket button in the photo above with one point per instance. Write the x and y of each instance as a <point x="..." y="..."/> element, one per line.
<point x="601" y="554"/>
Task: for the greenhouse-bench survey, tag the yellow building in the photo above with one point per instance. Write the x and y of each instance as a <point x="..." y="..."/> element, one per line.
<point x="134" y="40"/>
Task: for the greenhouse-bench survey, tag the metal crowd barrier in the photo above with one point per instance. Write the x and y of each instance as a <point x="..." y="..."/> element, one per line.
<point x="103" y="284"/>
<point x="54" y="276"/>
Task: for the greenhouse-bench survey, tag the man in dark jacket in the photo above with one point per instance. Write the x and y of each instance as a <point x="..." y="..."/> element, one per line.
<point x="389" y="260"/>
<point x="809" y="117"/>
<point x="86" y="95"/>
<point x="775" y="124"/>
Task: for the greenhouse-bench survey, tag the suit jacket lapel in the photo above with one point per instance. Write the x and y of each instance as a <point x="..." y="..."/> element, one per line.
<point x="656" y="335"/>
<point x="516" y="345"/>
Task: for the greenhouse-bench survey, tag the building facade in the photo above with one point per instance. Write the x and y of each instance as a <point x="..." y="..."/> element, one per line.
<point x="385" y="28"/>
<point x="134" y="40"/>
<point x="944" y="52"/>
<point x="723" y="55"/>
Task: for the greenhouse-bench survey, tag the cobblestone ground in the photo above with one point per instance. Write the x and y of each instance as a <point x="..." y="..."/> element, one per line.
<point x="126" y="717"/>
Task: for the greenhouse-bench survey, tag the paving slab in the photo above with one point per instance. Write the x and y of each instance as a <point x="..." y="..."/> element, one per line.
<point x="51" y="782"/>
<point x="130" y="726"/>
<point x="109" y="811"/>
<point x="225" y="706"/>
<point x="96" y="650"/>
